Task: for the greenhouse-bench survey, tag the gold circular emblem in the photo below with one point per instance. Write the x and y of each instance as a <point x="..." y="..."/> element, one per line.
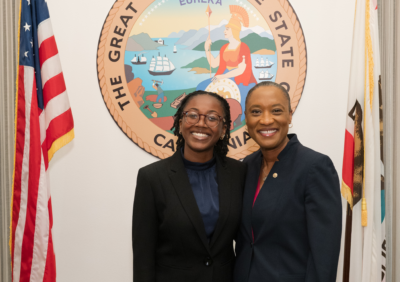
<point x="153" y="53"/>
<point x="225" y="88"/>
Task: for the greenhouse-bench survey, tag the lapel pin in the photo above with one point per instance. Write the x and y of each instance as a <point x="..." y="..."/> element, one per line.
<point x="275" y="175"/>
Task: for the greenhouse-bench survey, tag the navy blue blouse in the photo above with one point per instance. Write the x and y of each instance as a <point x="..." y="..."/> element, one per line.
<point x="203" y="179"/>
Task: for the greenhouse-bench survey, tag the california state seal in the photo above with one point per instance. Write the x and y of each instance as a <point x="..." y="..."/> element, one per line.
<point x="153" y="53"/>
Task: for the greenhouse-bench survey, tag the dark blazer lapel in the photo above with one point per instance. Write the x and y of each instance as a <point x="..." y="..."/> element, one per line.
<point x="269" y="197"/>
<point x="253" y="171"/>
<point x="274" y="188"/>
<point x="224" y="185"/>
<point x="180" y="181"/>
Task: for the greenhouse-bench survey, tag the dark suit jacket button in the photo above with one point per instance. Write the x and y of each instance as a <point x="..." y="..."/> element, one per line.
<point x="208" y="261"/>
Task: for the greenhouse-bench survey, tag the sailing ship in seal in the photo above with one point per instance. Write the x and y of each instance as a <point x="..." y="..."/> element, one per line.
<point x="265" y="75"/>
<point x="139" y="60"/>
<point x="261" y="65"/>
<point x="161" y="66"/>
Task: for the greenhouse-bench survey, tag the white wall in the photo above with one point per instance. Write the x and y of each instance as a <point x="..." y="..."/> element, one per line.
<point x="93" y="178"/>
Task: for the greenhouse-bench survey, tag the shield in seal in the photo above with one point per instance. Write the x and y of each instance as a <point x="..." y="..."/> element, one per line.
<point x="152" y="53"/>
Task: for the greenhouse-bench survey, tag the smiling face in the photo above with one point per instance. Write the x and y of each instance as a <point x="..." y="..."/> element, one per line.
<point x="199" y="137"/>
<point x="268" y="117"/>
<point x="228" y="32"/>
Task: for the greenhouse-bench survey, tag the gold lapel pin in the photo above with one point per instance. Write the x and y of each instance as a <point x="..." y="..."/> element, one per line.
<point x="275" y="175"/>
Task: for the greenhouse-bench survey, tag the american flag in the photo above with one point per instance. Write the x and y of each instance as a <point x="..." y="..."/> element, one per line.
<point x="43" y="124"/>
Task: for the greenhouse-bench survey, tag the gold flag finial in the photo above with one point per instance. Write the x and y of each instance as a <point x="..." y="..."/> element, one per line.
<point x="208" y="11"/>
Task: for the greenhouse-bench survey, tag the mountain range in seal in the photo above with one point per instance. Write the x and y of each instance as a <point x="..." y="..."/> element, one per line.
<point x="193" y="38"/>
<point x="141" y="42"/>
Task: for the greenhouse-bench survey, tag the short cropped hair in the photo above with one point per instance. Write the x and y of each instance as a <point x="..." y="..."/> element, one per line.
<point x="270" y="83"/>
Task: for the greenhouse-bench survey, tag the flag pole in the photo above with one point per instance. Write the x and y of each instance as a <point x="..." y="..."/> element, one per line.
<point x="208" y="13"/>
<point x="347" y="244"/>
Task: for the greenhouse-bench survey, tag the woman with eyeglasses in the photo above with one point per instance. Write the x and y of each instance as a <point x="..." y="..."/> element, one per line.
<point x="187" y="207"/>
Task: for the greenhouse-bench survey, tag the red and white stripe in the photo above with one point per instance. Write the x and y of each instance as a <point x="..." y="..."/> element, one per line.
<point x="32" y="245"/>
<point x="56" y="117"/>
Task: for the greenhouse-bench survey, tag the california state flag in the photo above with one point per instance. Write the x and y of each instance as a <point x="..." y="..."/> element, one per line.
<point x="362" y="257"/>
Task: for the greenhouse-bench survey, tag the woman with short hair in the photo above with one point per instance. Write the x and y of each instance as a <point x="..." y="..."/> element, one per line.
<point x="292" y="214"/>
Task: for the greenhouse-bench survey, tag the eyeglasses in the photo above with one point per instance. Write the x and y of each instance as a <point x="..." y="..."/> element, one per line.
<point x="212" y="120"/>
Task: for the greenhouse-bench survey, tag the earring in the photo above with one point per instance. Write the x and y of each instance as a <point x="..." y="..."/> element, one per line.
<point x="222" y="137"/>
<point x="290" y="125"/>
<point x="180" y="132"/>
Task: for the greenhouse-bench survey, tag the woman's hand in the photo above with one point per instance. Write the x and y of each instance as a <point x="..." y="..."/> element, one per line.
<point x="207" y="44"/>
<point x="242" y="65"/>
<point x="217" y="77"/>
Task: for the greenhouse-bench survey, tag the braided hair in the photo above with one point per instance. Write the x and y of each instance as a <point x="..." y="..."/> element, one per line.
<point x="222" y="145"/>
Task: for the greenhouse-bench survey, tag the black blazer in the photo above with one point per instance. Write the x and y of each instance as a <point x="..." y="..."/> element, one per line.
<point x="168" y="233"/>
<point x="296" y="219"/>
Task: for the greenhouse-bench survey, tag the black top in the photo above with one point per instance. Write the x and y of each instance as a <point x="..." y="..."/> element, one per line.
<point x="203" y="180"/>
<point x="296" y="219"/>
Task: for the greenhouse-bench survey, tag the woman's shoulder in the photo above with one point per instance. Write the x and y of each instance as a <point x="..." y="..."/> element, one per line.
<point x="155" y="166"/>
<point x="313" y="161"/>
<point x="244" y="47"/>
<point x="235" y="164"/>
<point x="236" y="169"/>
<point x="317" y="168"/>
<point x="251" y="157"/>
<point x="224" y="47"/>
<point x="305" y="155"/>
<point x="313" y="156"/>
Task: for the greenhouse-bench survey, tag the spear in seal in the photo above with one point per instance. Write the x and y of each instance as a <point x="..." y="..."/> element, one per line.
<point x="208" y="13"/>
